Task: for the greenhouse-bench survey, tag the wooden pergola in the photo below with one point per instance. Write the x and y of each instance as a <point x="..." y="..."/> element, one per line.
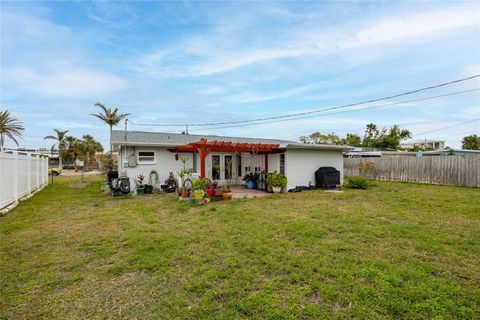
<point x="204" y="147"/>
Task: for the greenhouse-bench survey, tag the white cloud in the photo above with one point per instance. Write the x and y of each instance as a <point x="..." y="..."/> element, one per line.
<point x="206" y="55"/>
<point x="116" y="14"/>
<point x="416" y="26"/>
<point x="171" y="64"/>
<point x="473" y="111"/>
<point x="63" y="81"/>
<point x="48" y="59"/>
<point x="250" y="97"/>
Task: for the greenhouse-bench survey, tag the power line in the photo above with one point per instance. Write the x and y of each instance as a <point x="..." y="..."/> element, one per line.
<point x="345" y="111"/>
<point x="443" y="128"/>
<point x="311" y="111"/>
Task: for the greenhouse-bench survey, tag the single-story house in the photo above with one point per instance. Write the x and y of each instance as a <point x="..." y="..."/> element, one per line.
<point x="208" y="155"/>
<point x="428" y="144"/>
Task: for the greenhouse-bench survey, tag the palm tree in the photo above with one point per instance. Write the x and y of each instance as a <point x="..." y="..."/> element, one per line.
<point x="72" y="150"/>
<point x="60" y="138"/>
<point x="110" y="117"/>
<point x="9" y="127"/>
<point x="89" y="147"/>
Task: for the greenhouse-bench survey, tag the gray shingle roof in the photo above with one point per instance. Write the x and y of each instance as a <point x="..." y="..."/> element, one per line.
<point x="174" y="139"/>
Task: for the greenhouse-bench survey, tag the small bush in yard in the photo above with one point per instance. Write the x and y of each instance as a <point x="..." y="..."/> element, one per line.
<point x="357" y="183"/>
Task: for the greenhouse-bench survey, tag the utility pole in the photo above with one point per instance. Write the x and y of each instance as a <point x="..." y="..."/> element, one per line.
<point x="126" y="127"/>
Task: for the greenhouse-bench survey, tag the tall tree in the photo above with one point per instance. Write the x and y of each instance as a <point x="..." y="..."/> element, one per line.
<point x="60" y="141"/>
<point x="353" y="140"/>
<point x="471" y="142"/>
<point x="318" y="138"/>
<point x="384" y="138"/>
<point x="372" y="135"/>
<point x="10" y="127"/>
<point x="73" y="149"/>
<point x="393" y="138"/>
<point x="89" y="147"/>
<point x="109" y="116"/>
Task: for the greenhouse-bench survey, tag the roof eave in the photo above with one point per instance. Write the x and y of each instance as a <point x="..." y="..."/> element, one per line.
<point x="318" y="147"/>
<point x="145" y="144"/>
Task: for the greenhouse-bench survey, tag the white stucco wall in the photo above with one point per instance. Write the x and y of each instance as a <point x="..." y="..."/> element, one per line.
<point x="301" y="164"/>
<point x="274" y="162"/>
<point x="164" y="163"/>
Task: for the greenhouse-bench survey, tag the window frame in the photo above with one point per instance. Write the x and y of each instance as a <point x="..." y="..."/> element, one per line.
<point x="225" y="167"/>
<point x="214" y="177"/>
<point x="139" y="161"/>
<point x="280" y="164"/>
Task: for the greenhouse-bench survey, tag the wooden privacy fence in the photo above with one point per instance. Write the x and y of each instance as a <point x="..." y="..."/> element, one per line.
<point x="444" y="170"/>
<point x="21" y="174"/>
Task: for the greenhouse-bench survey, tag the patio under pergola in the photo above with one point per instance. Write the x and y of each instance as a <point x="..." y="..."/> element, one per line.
<point x="204" y="147"/>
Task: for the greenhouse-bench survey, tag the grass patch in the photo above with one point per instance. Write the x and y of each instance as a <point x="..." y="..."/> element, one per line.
<point x="398" y="250"/>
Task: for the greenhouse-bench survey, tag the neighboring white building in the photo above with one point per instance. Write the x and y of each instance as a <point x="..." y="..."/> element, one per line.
<point x="142" y="152"/>
<point x="426" y="144"/>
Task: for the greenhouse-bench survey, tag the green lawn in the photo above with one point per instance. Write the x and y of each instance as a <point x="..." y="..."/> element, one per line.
<point x="397" y="250"/>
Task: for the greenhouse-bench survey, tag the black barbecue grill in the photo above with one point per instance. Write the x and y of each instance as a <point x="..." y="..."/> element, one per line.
<point x="327" y="178"/>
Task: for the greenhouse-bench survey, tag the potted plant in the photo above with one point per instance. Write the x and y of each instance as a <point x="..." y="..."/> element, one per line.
<point x="139" y="181"/>
<point x="227" y="195"/>
<point x="211" y="192"/>
<point x="184" y="172"/>
<point x="198" y="187"/>
<point x="251" y="179"/>
<point x="182" y="193"/>
<point x="185" y="193"/>
<point x="277" y="181"/>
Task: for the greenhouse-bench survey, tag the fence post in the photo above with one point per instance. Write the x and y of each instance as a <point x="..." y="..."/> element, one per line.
<point x="37" y="158"/>
<point x="45" y="170"/>
<point x="29" y="173"/>
<point x="15" y="177"/>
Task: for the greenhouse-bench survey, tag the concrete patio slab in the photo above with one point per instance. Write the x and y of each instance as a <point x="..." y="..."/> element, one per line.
<point x="239" y="192"/>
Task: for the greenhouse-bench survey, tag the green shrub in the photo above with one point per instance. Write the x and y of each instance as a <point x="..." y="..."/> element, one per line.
<point x="357" y="183"/>
<point x="276" y="179"/>
<point x="200" y="184"/>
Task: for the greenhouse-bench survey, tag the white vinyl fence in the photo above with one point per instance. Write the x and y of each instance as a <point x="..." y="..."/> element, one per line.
<point x="21" y="174"/>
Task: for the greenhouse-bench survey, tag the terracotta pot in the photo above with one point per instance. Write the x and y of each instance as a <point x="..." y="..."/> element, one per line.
<point x="227" y="195"/>
<point x="218" y="192"/>
<point x="206" y="200"/>
<point x="185" y="194"/>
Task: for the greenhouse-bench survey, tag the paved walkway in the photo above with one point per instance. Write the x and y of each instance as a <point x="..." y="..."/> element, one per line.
<point x="242" y="192"/>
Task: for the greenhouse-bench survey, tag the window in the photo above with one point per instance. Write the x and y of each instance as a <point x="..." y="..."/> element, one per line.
<point x="215" y="167"/>
<point x="146" y="157"/>
<point x="194" y="157"/>
<point x="239" y="165"/>
<point x="282" y="163"/>
<point x="228" y="165"/>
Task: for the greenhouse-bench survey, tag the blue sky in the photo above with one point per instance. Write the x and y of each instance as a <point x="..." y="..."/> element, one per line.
<point x="177" y="62"/>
